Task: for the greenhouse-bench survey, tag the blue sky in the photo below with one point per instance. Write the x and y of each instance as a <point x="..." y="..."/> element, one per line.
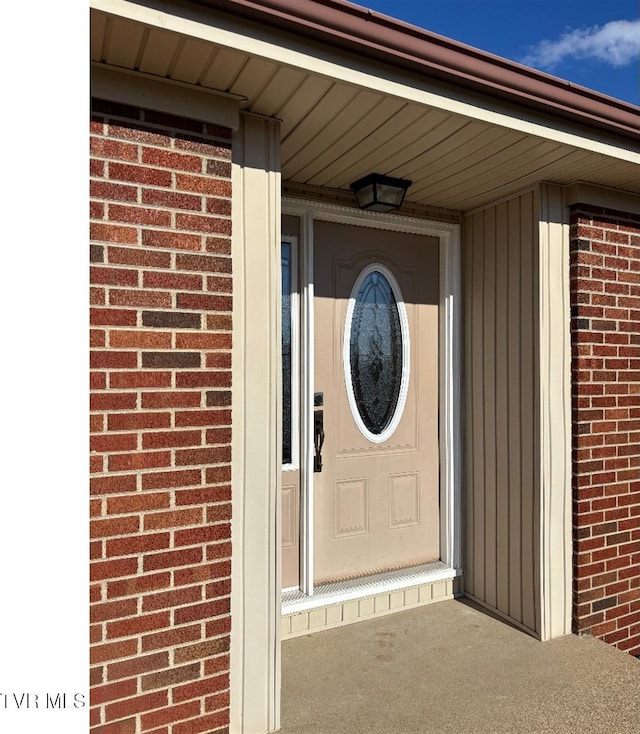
<point x="594" y="43"/>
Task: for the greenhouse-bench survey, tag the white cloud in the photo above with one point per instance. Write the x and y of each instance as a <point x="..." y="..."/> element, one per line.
<point x="616" y="43"/>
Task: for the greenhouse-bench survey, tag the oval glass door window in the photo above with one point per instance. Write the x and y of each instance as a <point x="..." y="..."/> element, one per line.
<point x="376" y="353"/>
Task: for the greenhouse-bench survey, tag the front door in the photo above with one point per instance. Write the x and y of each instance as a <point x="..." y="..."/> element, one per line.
<point x="376" y="495"/>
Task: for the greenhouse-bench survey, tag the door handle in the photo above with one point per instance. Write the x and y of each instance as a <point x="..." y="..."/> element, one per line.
<point x="318" y="439"/>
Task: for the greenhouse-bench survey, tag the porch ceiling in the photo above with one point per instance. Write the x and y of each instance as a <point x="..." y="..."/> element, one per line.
<point x="335" y="131"/>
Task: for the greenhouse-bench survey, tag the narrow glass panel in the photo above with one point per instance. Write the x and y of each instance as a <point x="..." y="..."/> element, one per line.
<point x="376" y="352"/>
<point x="286" y="353"/>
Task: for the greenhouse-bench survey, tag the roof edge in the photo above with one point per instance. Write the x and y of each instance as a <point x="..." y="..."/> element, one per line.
<point x="354" y="28"/>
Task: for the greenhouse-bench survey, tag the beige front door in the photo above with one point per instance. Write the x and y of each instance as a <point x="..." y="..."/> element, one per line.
<point x="376" y="498"/>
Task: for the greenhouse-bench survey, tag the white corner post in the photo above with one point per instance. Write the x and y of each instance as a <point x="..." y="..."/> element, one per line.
<point x="555" y="414"/>
<point x="256" y="461"/>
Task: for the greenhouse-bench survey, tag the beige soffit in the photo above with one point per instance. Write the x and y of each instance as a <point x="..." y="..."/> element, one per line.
<point x="242" y="36"/>
<point x="344" y="114"/>
<point x="377" y="36"/>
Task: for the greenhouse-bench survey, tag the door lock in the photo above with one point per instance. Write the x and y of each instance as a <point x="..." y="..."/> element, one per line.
<point x="318" y="439"/>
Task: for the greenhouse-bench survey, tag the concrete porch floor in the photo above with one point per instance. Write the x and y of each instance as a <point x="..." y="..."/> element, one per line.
<point x="450" y="667"/>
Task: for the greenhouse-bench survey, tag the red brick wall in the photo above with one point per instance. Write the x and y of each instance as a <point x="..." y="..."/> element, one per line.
<point x="605" y="325"/>
<point x="160" y="422"/>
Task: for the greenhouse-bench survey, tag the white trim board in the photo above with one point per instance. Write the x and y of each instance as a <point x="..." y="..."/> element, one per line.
<point x="256" y="448"/>
<point x="294" y="601"/>
<point x="377" y="604"/>
<point x="143" y="90"/>
<point x="585" y="193"/>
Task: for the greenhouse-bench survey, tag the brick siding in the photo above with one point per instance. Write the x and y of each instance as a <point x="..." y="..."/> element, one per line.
<point x="160" y="502"/>
<point x="605" y="328"/>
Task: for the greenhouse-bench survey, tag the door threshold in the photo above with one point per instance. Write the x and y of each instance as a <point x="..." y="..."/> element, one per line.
<point x="295" y="601"/>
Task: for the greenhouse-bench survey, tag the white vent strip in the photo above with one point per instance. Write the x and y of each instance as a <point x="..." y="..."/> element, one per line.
<point x="294" y="601"/>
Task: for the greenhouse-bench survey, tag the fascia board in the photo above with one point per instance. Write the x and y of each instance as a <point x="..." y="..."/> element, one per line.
<point x="586" y="193"/>
<point x="133" y="88"/>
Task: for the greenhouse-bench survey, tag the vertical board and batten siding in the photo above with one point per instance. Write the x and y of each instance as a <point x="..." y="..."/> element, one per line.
<point x="517" y="410"/>
<point x="500" y="253"/>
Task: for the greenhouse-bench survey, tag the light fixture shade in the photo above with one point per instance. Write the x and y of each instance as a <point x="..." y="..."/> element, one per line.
<point x="379" y="193"/>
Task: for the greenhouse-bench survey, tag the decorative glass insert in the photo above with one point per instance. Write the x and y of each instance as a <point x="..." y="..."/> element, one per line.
<point x="376" y="353"/>
<point x="286" y="353"/>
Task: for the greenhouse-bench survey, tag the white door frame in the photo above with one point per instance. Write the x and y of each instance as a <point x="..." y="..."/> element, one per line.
<point x="449" y="383"/>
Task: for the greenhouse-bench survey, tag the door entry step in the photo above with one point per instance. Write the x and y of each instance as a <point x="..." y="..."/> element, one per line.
<point x="345" y="602"/>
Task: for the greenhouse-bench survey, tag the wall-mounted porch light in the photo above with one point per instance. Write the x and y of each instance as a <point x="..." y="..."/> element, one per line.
<point x="379" y="193"/>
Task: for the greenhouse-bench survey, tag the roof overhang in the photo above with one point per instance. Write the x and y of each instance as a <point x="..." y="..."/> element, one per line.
<point x="358" y="92"/>
<point x="380" y="37"/>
